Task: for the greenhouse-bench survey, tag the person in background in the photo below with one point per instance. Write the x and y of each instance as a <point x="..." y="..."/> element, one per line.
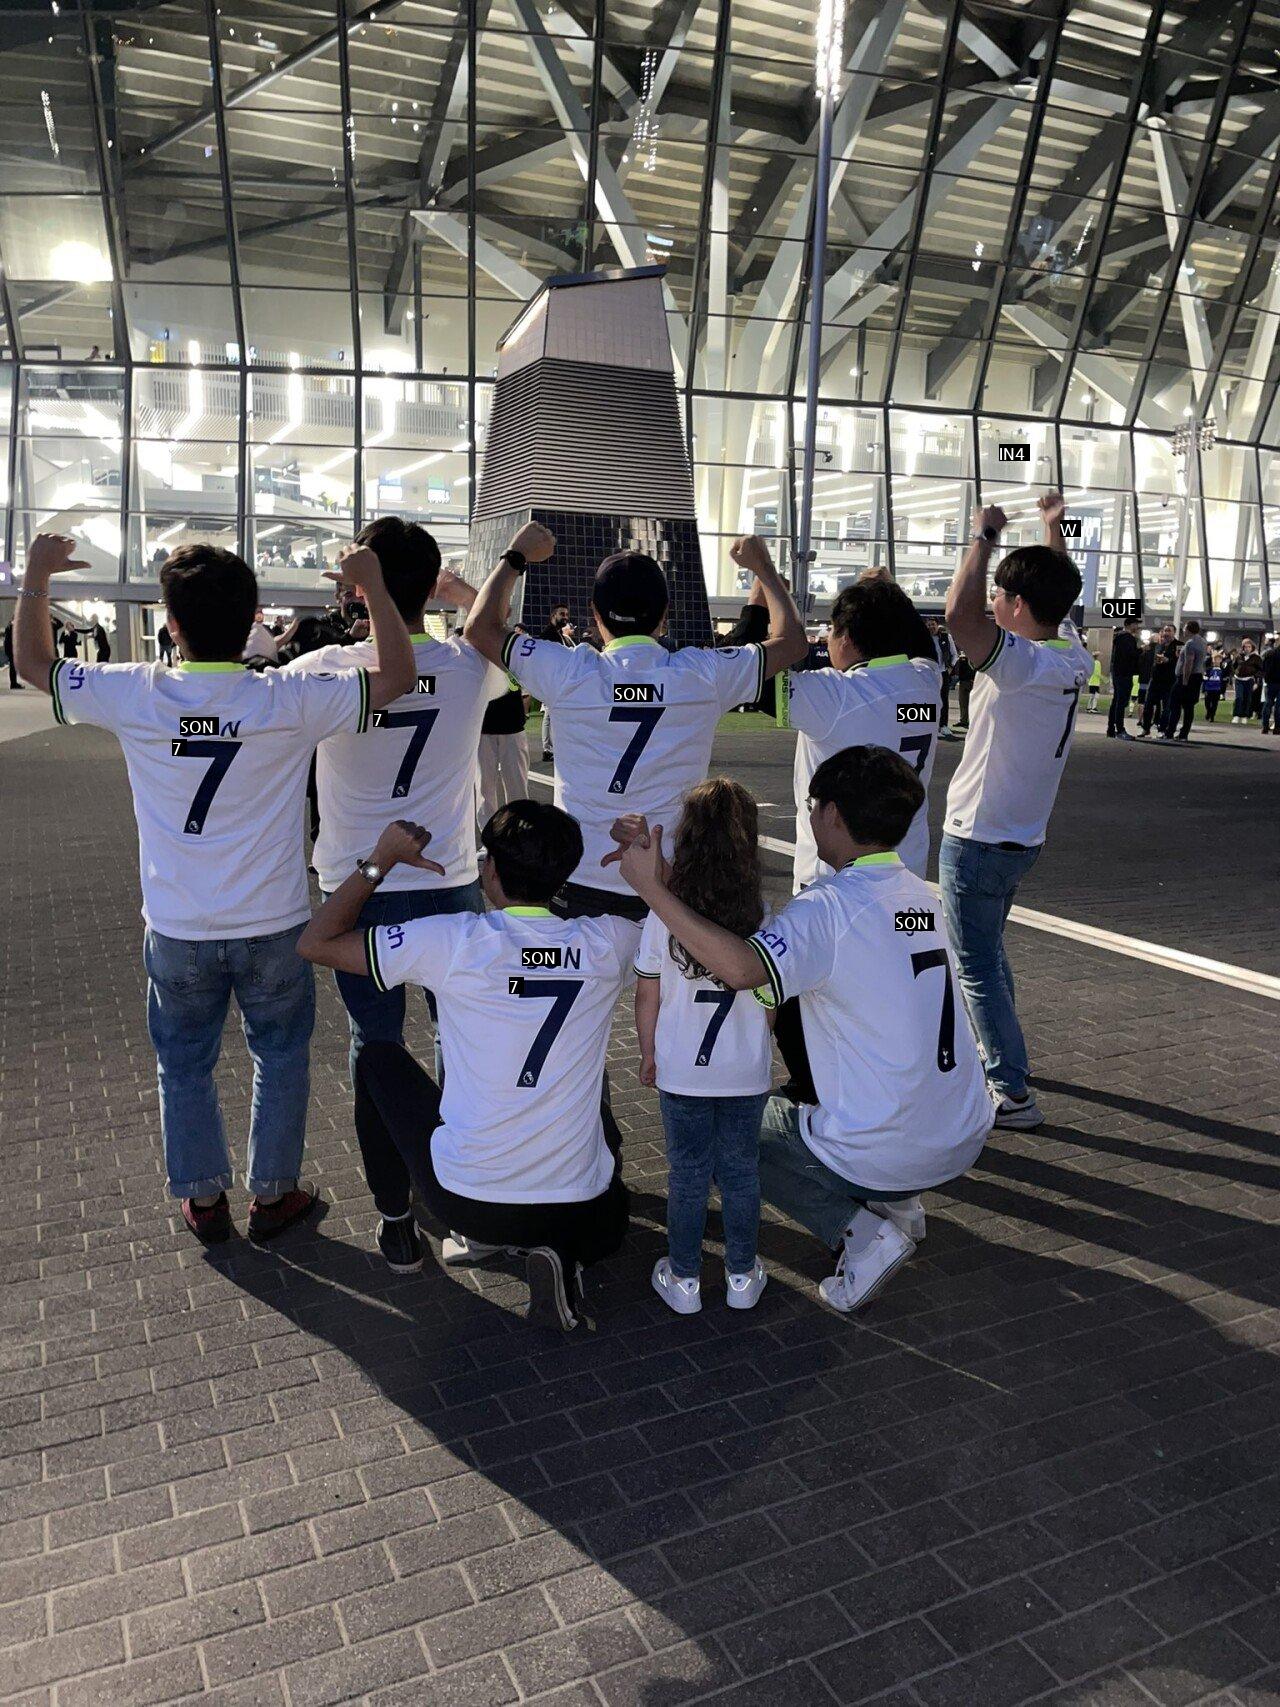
<point x="261" y="644"/>
<point x="1003" y="791"/>
<point x="1124" y="667"/>
<point x="706" y="1048"/>
<point x="14" y="683"/>
<point x="69" y="640"/>
<point x="515" y="1151"/>
<point x="503" y="773"/>
<point x="964" y="677"/>
<point x="1248" y="677"/>
<point x="1271" y="686"/>
<point x="1164" y="658"/>
<point x="1095" y="682"/>
<point x="560" y="632"/>
<point x="1212" y="687"/>
<point x="946" y="653"/>
<point x="1188" y="679"/>
<point x="101" y="643"/>
<point x="217" y="758"/>
<point x="164" y="644"/>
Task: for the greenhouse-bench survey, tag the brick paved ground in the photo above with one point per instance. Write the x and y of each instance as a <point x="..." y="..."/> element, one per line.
<point x="1044" y="1467"/>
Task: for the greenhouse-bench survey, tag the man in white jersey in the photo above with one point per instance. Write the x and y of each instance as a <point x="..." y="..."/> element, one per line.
<point x="218" y="758"/>
<point x="418" y="758"/>
<point x="1022" y="716"/>
<point x="901" y="1102"/>
<point x="634" y="723"/>
<point x="515" y="1152"/>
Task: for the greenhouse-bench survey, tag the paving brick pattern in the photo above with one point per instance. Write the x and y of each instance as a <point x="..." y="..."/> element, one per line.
<point x="1045" y="1466"/>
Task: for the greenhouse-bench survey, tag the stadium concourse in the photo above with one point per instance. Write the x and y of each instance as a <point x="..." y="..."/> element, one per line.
<point x="1041" y="1467"/>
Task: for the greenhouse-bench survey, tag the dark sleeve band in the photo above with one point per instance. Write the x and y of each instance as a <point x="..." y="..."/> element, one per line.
<point x="771" y="971"/>
<point x="994" y="653"/>
<point x="760" y="676"/>
<point x="639" y="974"/>
<point x="507" y="646"/>
<point x="55" y="670"/>
<point x="371" y="956"/>
<point x="362" y="716"/>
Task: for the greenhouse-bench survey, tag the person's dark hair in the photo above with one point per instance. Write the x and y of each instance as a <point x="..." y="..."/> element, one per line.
<point x="881" y="621"/>
<point x="715" y="862"/>
<point x="535" y="848"/>
<point x="1193" y="628"/>
<point x="212" y="595"/>
<point x="875" y="791"/>
<point x="1133" y="622"/>
<point x="1047" y="582"/>
<point x="630" y="593"/>
<point x="410" y="560"/>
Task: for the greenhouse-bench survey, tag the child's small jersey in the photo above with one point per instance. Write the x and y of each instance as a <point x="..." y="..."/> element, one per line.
<point x="902" y="1099"/>
<point x="417" y="761"/>
<point x="1022" y="715"/>
<point x="711" y="1042"/>
<point x="633" y="728"/>
<point x="218" y="758"/>
<point x="525" y="1003"/>
<point x="893" y="702"/>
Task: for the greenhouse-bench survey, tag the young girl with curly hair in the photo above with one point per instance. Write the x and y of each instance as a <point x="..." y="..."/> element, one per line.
<point x="708" y="1050"/>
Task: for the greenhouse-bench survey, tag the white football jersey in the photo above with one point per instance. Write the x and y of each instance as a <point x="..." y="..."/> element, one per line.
<point x="525" y="1004"/>
<point x="633" y="728"/>
<point x="891" y="702"/>
<point x="1022" y="715"/>
<point x="218" y="758"/>
<point x="711" y="1042"/>
<point x="417" y="760"/>
<point x="902" y="1099"/>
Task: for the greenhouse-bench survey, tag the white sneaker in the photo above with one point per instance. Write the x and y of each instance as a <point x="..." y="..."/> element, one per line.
<point x="457" y="1250"/>
<point x="743" y="1290"/>
<point x="684" y="1296"/>
<point x="1019" y="1115"/>
<point x="874" y="1249"/>
<point x="907" y="1216"/>
<point x="1235" y="720"/>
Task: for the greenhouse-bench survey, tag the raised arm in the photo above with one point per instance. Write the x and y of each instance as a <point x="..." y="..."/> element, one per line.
<point x="331" y="939"/>
<point x="726" y="956"/>
<point x="452" y="590"/>
<point x="34" y="656"/>
<point x="969" y="624"/>
<point x="786" y="642"/>
<point x="1053" y="506"/>
<point x="486" y="626"/>
<point x="396" y="671"/>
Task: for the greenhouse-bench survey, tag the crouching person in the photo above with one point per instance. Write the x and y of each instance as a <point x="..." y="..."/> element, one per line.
<point x="901" y="1099"/>
<point x="512" y="1153"/>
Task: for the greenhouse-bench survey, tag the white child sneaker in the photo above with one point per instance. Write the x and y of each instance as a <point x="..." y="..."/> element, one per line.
<point x="743" y="1290"/>
<point x="683" y="1296"/>
<point x="874" y="1249"/>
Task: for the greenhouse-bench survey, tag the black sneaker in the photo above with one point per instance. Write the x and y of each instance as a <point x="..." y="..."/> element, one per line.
<point x="548" y="1305"/>
<point x="399" y="1243"/>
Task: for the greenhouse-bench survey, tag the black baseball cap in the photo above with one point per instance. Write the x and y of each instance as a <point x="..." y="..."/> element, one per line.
<point x="630" y="593"/>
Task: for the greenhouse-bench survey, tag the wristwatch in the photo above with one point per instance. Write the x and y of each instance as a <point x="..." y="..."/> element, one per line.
<point x="516" y="559"/>
<point x="370" y="872"/>
<point x="990" y="535"/>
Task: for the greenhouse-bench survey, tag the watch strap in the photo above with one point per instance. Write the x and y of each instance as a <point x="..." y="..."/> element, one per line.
<point x="516" y="559"/>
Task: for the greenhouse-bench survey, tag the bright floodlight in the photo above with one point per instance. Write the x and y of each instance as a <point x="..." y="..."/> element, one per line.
<point x="81" y="261"/>
<point x="829" y="47"/>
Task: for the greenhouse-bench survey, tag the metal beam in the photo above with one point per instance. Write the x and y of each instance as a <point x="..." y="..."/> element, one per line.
<point x="502" y="268"/>
<point x="1175" y="199"/>
<point x="1249" y="153"/>
<point x="1051" y="335"/>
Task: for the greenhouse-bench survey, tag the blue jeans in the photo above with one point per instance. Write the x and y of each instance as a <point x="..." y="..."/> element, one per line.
<point x="978" y="881"/>
<point x="712" y="1138"/>
<point x="378" y="1016"/>
<point x="1244" y="697"/>
<point x="188" y="994"/>
<point x="799" y="1183"/>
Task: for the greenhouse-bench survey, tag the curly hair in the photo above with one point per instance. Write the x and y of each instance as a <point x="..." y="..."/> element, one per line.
<point x="715" y="863"/>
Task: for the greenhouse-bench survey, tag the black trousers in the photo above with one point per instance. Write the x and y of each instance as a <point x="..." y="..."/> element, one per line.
<point x="1155" y="704"/>
<point x="1211" y="699"/>
<point x="397" y="1112"/>
<point x="1183" y="699"/>
<point x="1121" y="690"/>
<point x="788" y="1032"/>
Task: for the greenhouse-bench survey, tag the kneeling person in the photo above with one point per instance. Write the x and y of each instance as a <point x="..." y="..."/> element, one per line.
<point x="901" y="1100"/>
<point x="512" y="1153"/>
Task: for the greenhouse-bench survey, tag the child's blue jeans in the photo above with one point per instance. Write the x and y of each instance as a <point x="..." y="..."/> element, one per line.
<point x="712" y="1138"/>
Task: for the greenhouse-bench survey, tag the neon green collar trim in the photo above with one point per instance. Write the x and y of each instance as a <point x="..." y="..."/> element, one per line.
<point x="1062" y="645"/>
<point x="198" y="669"/>
<point x="529" y="912"/>
<point x="873" y="859"/>
<point x="631" y="640"/>
<point x="417" y="639"/>
<point x="883" y="663"/>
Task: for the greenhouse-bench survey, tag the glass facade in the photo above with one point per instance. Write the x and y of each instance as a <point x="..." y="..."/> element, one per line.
<point x="256" y="255"/>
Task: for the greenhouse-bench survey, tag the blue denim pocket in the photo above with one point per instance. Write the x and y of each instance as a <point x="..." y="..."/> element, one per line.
<point x="274" y="965"/>
<point x="174" y="963"/>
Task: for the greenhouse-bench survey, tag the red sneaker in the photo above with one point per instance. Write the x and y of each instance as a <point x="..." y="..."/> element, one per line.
<point x="268" y="1219"/>
<point x="212" y="1226"/>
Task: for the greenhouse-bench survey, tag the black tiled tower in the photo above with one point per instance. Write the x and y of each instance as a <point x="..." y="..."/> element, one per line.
<point x="585" y="437"/>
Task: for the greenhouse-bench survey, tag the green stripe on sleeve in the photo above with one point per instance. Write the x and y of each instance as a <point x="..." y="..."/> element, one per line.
<point x="362" y="716"/>
<point x="991" y="657"/>
<point x="771" y="971"/>
<point x="55" y="670"/>
<point x="765" y="996"/>
<point x="782" y="699"/>
<point x="371" y="955"/>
